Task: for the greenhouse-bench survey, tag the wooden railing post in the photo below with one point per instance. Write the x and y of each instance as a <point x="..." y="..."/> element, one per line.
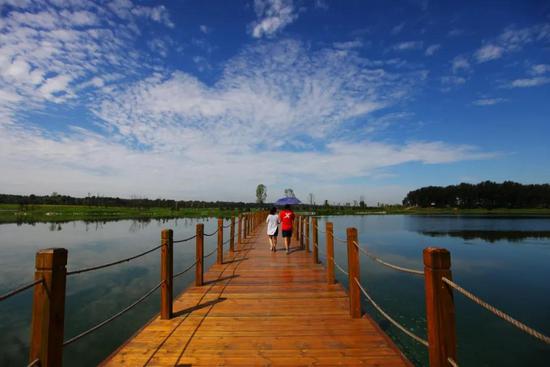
<point x="48" y="308"/>
<point x="353" y="270"/>
<point x="166" y="273"/>
<point x="232" y="235"/>
<point x="315" y="234"/>
<point x="330" y="252"/>
<point x="301" y="225"/>
<point x="295" y="227"/>
<point x="239" y="229"/>
<point x="245" y="232"/>
<point x="199" y="269"/>
<point x="440" y="310"/>
<point x="307" y="234"/>
<point x="219" y="257"/>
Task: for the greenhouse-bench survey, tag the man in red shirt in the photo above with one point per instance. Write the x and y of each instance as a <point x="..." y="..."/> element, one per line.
<point x="287" y="218"/>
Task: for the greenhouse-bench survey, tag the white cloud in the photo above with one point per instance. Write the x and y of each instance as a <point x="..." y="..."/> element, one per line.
<point x="348" y="45"/>
<point x="529" y="82"/>
<point x="158" y="14"/>
<point x="432" y="49"/>
<point x="460" y="63"/>
<point x="273" y="84"/>
<point x="398" y="28"/>
<point x="488" y="52"/>
<point x="55" y="84"/>
<point x="49" y="52"/>
<point x="488" y="101"/>
<point x="410" y="45"/>
<point x="512" y="39"/>
<point x="273" y="16"/>
<point x="540" y="69"/>
<point x="204" y="29"/>
<point x="274" y="103"/>
<point x="453" y="80"/>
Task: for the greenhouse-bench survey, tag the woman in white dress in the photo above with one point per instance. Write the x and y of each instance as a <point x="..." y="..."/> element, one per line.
<point x="273" y="228"/>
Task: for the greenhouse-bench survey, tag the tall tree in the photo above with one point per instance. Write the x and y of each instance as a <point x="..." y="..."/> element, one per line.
<point x="289" y="193"/>
<point x="261" y="193"/>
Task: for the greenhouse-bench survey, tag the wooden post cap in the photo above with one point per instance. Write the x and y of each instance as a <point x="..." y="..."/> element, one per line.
<point x="166" y="233"/>
<point x="436" y="258"/>
<point x="51" y="258"/>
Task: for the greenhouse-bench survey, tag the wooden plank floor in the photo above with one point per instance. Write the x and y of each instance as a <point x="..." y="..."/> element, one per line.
<point x="261" y="309"/>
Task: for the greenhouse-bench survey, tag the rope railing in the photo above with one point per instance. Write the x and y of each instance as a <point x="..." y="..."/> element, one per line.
<point x="210" y="253"/>
<point x="20" y="289"/>
<point x="186" y="239"/>
<point x="389" y="318"/>
<point x="338" y="266"/>
<point x="210" y="234"/>
<point x="339" y="239"/>
<point x="184" y="271"/>
<point x="385" y="263"/>
<point x="85" y="270"/>
<point x="452" y="362"/>
<point x="526" y="329"/>
<point x="35" y="362"/>
<point x="115" y="316"/>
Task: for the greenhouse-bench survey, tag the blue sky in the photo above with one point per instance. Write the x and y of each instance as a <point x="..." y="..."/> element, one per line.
<point x="207" y="99"/>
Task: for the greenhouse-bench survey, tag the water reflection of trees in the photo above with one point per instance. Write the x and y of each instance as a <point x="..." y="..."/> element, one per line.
<point x="139" y="224"/>
<point x="491" y="236"/>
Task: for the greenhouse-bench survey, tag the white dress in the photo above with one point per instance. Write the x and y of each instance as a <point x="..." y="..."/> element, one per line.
<point x="272" y="224"/>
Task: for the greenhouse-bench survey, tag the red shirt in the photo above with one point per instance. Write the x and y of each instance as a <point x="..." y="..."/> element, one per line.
<point x="287" y="218"/>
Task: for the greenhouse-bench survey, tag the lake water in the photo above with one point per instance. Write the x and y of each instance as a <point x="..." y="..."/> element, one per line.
<point x="506" y="261"/>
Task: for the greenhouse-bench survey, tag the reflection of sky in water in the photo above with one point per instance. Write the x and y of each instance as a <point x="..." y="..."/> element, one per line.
<point x="94" y="296"/>
<point x="512" y="275"/>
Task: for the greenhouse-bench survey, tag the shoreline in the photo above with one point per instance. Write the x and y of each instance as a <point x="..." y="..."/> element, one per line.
<point x="13" y="213"/>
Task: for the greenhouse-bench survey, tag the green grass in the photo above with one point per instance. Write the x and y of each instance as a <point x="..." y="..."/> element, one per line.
<point x="435" y="211"/>
<point x="12" y="213"/>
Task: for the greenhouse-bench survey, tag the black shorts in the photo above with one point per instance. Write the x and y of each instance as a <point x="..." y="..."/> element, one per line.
<point x="274" y="234"/>
<point x="287" y="233"/>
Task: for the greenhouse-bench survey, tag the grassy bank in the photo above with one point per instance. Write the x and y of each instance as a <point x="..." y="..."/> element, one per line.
<point x="435" y="211"/>
<point x="13" y="213"/>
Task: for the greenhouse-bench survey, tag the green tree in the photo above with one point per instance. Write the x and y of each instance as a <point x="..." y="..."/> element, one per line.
<point x="289" y="193"/>
<point x="261" y="193"/>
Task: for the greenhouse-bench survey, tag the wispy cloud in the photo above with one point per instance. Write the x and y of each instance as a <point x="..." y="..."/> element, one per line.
<point x="512" y="39"/>
<point x="398" y="28"/>
<point x="432" y="49"/>
<point x="529" y="82"/>
<point x="460" y="63"/>
<point x="488" y="52"/>
<point x="273" y="16"/>
<point x="488" y="101"/>
<point x="409" y="45"/>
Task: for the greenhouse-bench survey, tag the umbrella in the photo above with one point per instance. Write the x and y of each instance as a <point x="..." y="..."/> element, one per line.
<point x="287" y="200"/>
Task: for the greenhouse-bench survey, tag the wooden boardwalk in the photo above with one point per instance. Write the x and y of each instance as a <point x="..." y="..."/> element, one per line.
<point x="260" y="309"/>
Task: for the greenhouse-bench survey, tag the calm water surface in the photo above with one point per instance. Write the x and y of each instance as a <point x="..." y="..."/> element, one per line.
<point x="504" y="260"/>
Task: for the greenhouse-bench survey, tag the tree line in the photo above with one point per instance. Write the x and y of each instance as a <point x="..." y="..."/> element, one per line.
<point x="487" y="195"/>
<point x="106" y="201"/>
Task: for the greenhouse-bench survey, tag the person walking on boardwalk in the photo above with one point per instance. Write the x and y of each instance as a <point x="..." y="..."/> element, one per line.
<point x="273" y="228"/>
<point x="287" y="218"/>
